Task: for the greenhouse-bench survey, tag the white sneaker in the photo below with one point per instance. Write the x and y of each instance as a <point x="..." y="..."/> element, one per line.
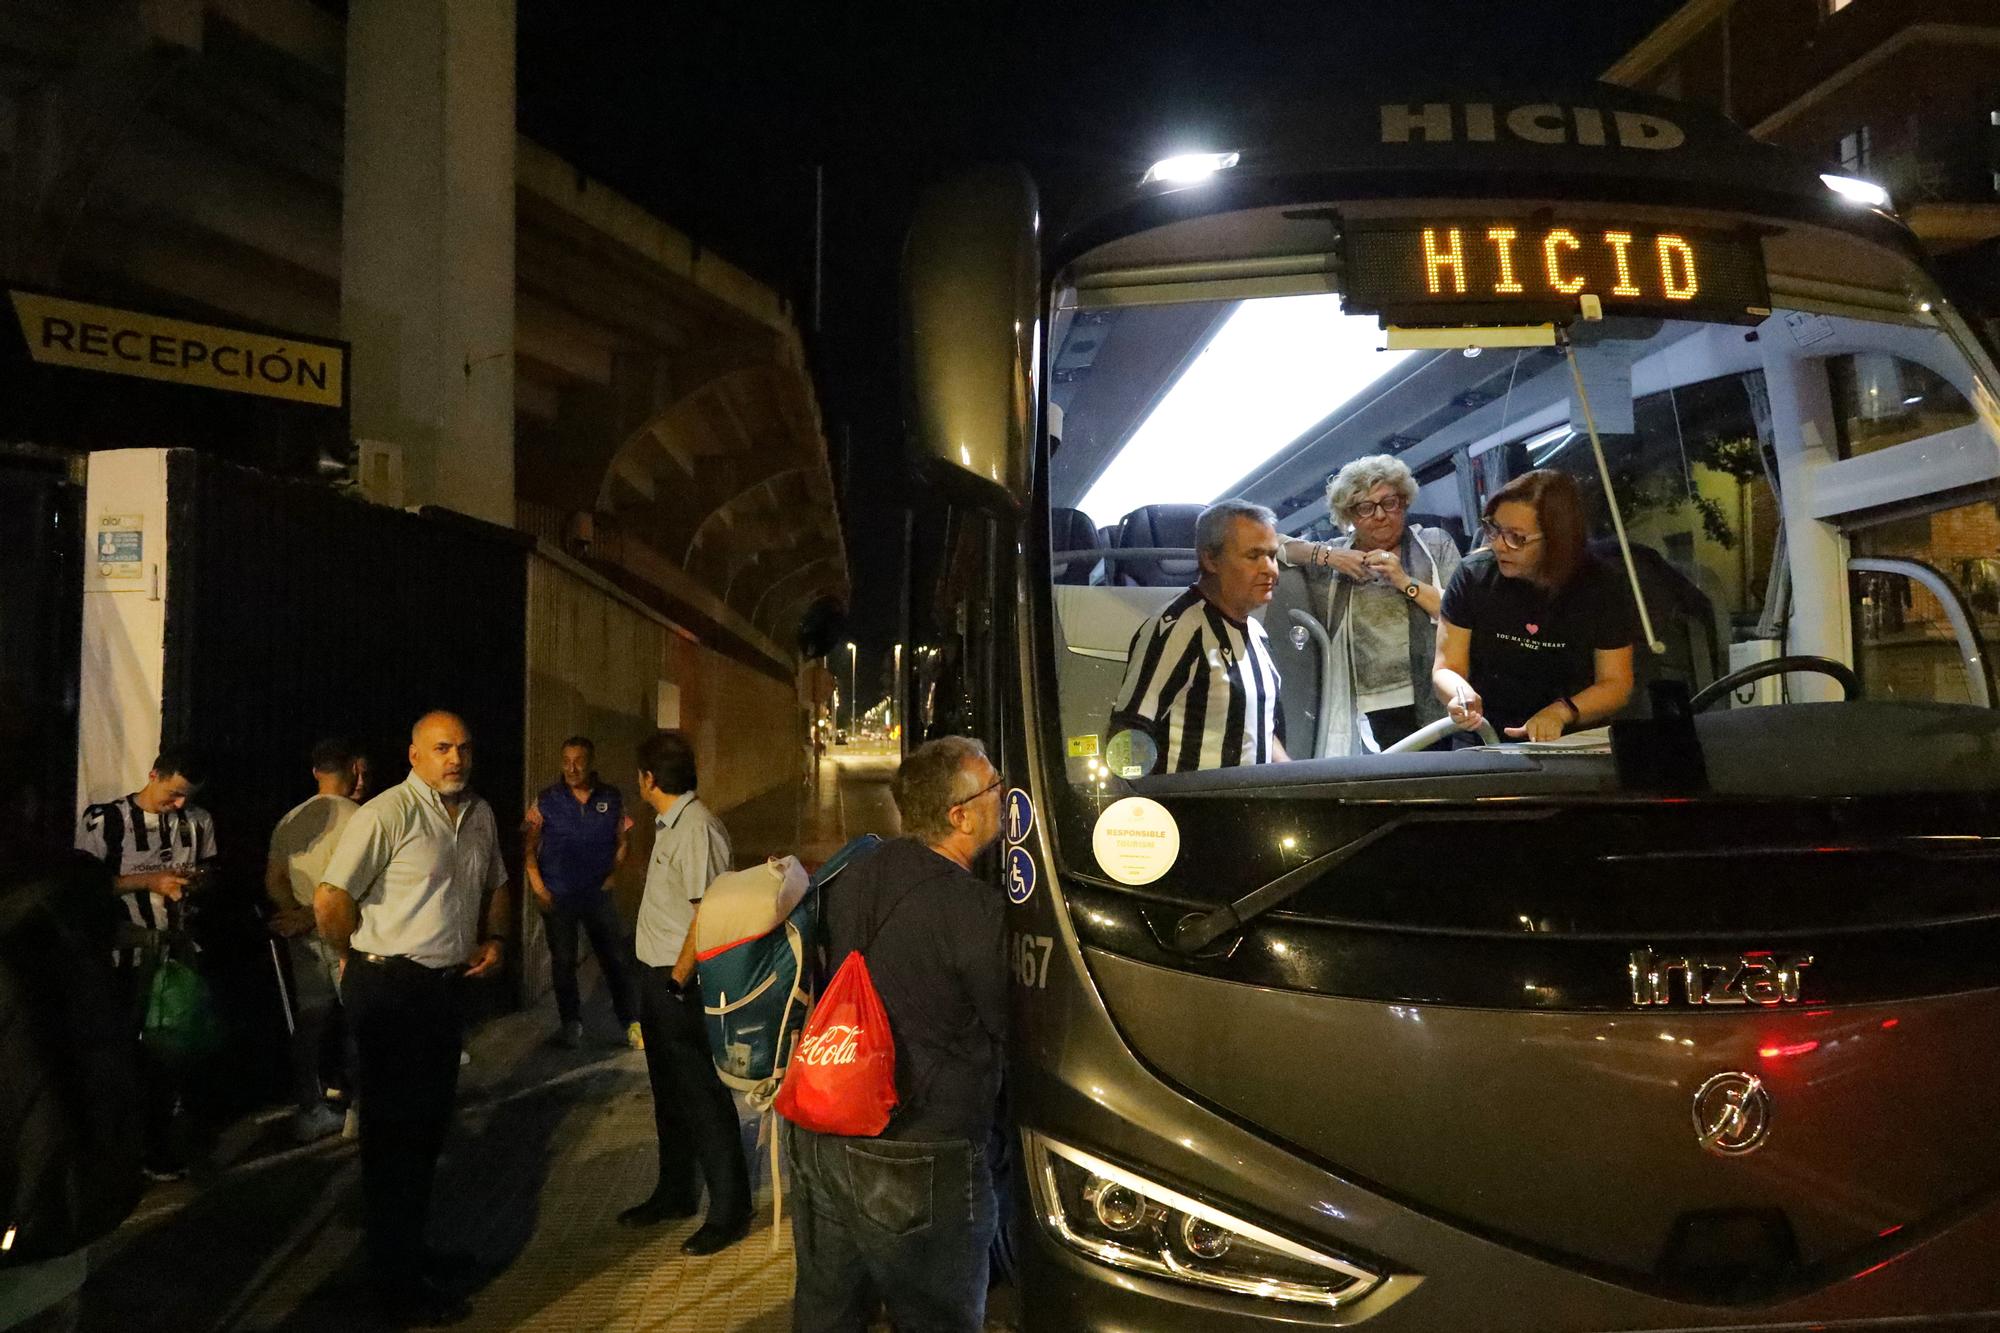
<point x="312" y="1125"/>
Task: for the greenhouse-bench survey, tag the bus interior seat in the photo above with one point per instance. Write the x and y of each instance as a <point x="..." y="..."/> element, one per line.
<point x="1683" y="616"/>
<point x="1154" y="526"/>
<point x="1298" y="666"/>
<point x="1450" y="524"/>
<point x="1094" y="625"/>
<point x="1072" y="530"/>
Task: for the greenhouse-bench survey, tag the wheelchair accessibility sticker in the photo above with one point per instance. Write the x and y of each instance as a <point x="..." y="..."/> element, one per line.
<point x="1020" y="816"/>
<point x="1020" y="875"/>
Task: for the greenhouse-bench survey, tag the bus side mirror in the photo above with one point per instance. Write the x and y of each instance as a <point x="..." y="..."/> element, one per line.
<point x="972" y="341"/>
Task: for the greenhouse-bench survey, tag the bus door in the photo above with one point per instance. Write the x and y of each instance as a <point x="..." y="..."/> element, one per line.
<point x="1902" y="490"/>
<point x="1920" y="628"/>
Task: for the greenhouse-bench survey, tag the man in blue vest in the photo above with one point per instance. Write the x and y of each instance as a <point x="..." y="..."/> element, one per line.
<point x="576" y="833"/>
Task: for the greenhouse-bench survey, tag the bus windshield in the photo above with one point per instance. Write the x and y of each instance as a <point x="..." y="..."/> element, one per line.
<point x="1812" y="480"/>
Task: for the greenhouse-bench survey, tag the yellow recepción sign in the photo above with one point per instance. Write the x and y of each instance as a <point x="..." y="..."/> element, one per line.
<point x="82" y="336"/>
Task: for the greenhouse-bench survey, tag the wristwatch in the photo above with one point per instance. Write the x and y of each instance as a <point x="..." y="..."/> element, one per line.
<point x="1410" y="591"/>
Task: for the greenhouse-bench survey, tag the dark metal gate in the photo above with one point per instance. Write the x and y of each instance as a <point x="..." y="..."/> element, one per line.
<point x="41" y="617"/>
<point x="295" y="613"/>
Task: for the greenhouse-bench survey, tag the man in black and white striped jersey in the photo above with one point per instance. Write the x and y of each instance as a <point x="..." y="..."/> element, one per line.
<point x="156" y="846"/>
<point x="1199" y="679"/>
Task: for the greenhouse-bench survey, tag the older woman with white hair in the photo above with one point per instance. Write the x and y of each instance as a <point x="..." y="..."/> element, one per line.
<point x="1377" y="588"/>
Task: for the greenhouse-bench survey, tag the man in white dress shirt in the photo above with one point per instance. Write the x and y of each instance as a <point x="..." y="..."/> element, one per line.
<point x="694" y="1117"/>
<point x="415" y="898"/>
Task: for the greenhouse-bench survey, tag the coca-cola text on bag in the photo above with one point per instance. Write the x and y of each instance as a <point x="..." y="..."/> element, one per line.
<point x="836" y="1044"/>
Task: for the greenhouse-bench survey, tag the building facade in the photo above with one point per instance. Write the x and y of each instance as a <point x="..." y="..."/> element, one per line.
<point x="1905" y="93"/>
<point x="340" y="188"/>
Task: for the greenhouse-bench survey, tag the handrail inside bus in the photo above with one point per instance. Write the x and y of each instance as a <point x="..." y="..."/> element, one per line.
<point x="1432" y="732"/>
<point x="1304" y="617"/>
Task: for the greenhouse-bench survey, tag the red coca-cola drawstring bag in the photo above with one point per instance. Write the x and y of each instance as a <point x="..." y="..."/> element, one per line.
<point x="842" y="1076"/>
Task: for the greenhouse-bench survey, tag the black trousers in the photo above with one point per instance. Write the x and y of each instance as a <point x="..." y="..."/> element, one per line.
<point x="407" y="1031"/>
<point x="599" y="920"/>
<point x="159" y="1082"/>
<point x="693" y="1114"/>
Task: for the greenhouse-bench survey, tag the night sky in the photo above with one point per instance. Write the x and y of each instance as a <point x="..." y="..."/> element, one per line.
<point x="715" y="118"/>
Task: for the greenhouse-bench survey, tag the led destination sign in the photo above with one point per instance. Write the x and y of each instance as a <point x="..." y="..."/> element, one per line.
<point x="1495" y="265"/>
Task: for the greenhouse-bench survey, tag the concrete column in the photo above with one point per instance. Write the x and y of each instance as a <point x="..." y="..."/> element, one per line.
<point x="427" y="264"/>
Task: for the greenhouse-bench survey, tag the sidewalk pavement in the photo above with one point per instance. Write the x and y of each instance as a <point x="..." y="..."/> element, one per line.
<point x="548" y="1146"/>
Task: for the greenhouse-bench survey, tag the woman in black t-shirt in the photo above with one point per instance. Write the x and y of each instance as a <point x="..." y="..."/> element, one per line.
<point x="1536" y="636"/>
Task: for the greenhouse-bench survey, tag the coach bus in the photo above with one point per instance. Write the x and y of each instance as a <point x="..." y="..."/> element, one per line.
<point x="1685" y="1021"/>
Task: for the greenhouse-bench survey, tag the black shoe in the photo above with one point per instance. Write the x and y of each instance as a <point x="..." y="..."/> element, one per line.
<point x="656" y="1210"/>
<point x="420" y="1304"/>
<point x="711" y="1237"/>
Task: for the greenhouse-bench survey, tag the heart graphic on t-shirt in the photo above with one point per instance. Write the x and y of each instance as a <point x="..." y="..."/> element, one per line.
<point x="1534" y="629"/>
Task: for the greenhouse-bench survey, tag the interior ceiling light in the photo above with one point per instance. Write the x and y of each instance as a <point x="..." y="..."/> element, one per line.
<point x="1187" y="168"/>
<point x="1853" y="188"/>
<point x="1277" y="367"/>
<point x="1548" y="444"/>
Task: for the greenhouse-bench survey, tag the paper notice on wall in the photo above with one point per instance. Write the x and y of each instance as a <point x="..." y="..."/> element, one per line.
<point x="1807" y="328"/>
<point x="120" y="548"/>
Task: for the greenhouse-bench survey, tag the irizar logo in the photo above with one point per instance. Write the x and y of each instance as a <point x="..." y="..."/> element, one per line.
<point x="1732" y="1114"/>
<point x="1539" y="122"/>
<point x="1732" y="978"/>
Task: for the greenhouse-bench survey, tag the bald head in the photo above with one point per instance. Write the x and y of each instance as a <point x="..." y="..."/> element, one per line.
<point x="441" y="752"/>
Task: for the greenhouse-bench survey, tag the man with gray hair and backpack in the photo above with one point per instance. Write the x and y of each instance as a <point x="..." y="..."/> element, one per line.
<point x="886" y="1217"/>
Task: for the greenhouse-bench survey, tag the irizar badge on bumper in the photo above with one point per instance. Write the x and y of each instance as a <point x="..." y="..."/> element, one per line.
<point x="1758" y="977"/>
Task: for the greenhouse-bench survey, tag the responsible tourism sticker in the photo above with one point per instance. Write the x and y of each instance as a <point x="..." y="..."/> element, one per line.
<point x="1136" y="840"/>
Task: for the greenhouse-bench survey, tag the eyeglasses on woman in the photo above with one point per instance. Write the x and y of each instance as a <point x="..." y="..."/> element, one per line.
<point x="1508" y="537"/>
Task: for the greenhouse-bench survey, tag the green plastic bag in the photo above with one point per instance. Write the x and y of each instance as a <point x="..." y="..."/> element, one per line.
<point x="180" y="1015"/>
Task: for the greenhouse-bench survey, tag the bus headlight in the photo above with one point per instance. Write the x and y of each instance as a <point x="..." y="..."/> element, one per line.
<point x="1122" y="1219"/>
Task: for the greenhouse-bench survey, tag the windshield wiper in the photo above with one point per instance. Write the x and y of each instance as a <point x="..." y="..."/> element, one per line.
<point x="1195" y="933"/>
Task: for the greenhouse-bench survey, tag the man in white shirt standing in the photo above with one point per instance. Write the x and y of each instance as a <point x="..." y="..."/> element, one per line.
<point x="301" y="846"/>
<point x="693" y="1114"/>
<point x="414" y="898"/>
